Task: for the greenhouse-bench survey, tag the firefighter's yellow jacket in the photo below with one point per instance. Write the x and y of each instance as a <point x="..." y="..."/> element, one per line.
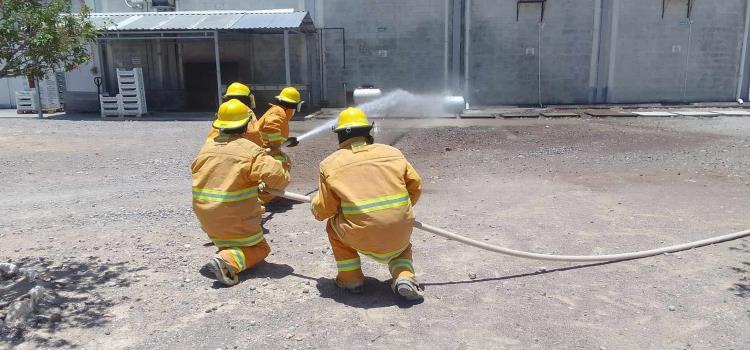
<point x="367" y="192"/>
<point x="226" y="175"/>
<point x="273" y="127"/>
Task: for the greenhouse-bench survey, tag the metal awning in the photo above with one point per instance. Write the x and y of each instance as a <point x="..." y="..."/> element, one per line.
<point x="260" y="21"/>
<point x="183" y="25"/>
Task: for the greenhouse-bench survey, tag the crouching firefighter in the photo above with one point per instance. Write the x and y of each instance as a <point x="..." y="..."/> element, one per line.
<point x="367" y="191"/>
<point x="226" y="177"/>
<point x="273" y="126"/>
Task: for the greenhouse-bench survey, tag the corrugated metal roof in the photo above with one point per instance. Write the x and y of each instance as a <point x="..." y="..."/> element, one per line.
<point x="287" y="20"/>
<point x="201" y="20"/>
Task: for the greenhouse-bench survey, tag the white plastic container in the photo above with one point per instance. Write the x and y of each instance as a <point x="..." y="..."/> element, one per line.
<point x="363" y="95"/>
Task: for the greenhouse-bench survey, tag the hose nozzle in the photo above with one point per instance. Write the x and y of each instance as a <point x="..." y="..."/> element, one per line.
<point x="290" y="142"/>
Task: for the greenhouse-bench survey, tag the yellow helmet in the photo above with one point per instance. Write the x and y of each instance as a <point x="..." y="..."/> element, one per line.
<point x="232" y="114"/>
<point x="352" y="118"/>
<point x="237" y="89"/>
<point x="289" y="95"/>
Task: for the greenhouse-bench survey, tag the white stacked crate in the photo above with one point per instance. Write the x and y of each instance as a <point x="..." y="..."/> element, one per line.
<point x="132" y="91"/>
<point x="110" y="105"/>
<point x="132" y="97"/>
<point x="27" y="101"/>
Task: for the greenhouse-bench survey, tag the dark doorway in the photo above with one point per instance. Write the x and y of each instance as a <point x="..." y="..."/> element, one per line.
<point x="200" y="83"/>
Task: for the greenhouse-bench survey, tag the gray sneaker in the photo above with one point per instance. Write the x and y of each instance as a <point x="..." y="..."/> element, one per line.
<point x="407" y="288"/>
<point x="218" y="269"/>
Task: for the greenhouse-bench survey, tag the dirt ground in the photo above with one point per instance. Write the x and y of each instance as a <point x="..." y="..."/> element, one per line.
<point x="102" y="210"/>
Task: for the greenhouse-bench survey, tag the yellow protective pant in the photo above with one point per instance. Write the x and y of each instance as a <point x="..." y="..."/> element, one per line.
<point x="348" y="262"/>
<point x="243" y="258"/>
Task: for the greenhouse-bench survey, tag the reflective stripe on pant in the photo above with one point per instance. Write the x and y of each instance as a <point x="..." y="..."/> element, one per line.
<point x="243" y="258"/>
<point x="402" y="265"/>
<point x="347" y="261"/>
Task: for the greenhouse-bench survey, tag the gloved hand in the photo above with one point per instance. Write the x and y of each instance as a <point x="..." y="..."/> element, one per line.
<point x="291" y="142"/>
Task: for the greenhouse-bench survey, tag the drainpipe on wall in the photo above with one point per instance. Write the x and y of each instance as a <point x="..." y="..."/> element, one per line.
<point x="467" y="42"/>
<point x="743" y="57"/>
<point x="595" y="55"/>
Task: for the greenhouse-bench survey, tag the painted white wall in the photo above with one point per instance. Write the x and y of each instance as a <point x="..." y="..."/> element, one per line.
<point x="8" y="88"/>
<point x="82" y="78"/>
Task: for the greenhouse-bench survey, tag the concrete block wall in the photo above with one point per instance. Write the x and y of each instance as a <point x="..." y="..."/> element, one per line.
<point x="506" y="53"/>
<point x="585" y="51"/>
<point x="676" y="59"/>
<point x="389" y="43"/>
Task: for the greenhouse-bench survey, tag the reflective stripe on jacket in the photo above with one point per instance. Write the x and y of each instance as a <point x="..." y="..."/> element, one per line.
<point x="368" y="191"/>
<point x="226" y="175"/>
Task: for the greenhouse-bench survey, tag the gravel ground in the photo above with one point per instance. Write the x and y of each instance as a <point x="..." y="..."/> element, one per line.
<point x="101" y="210"/>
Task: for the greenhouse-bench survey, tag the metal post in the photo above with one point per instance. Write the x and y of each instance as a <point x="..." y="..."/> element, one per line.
<point x="39" y="106"/>
<point x="218" y="64"/>
<point x="286" y="58"/>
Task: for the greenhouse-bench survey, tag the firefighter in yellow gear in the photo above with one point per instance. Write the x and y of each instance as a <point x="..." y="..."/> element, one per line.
<point x="227" y="174"/>
<point x="366" y="193"/>
<point x="273" y="126"/>
<point x="242" y="93"/>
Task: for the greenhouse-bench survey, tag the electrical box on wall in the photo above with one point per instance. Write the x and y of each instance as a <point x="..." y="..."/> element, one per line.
<point x="163" y="5"/>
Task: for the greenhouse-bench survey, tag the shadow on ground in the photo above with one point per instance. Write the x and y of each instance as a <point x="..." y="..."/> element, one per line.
<point x="159" y="117"/>
<point x="71" y="300"/>
<point x="742" y="287"/>
<point x="522" y="275"/>
<point x="262" y="270"/>
<point x="376" y="294"/>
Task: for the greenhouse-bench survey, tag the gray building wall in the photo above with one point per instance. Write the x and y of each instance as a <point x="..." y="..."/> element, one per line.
<point x="585" y="51"/>
<point x="676" y="59"/>
<point x="509" y="56"/>
<point x="389" y="43"/>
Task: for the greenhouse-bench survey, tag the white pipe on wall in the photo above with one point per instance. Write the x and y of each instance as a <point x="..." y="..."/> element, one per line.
<point x="743" y="57"/>
<point x="467" y="42"/>
<point x="613" y="49"/>
<point x="595" y="49"/>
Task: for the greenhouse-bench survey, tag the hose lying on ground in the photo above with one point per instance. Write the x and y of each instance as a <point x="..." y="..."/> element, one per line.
<point x="537" y="256"/>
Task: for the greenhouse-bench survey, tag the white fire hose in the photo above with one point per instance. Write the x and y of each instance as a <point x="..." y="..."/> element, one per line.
<point x="537" y="256"/>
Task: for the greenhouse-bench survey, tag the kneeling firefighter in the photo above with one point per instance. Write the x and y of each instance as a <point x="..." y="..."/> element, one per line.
<point x="367" y="191"/>
<point x="226" y="176"/>
<point x="273" y="126"/>
<point x="241" y="92"/>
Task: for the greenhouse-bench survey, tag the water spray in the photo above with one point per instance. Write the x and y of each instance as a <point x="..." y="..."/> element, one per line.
<point x="537" y="256"/>
<point x="396" y="103"/>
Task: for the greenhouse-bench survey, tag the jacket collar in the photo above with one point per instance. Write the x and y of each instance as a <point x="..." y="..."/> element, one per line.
<point x="358" y="141"/>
